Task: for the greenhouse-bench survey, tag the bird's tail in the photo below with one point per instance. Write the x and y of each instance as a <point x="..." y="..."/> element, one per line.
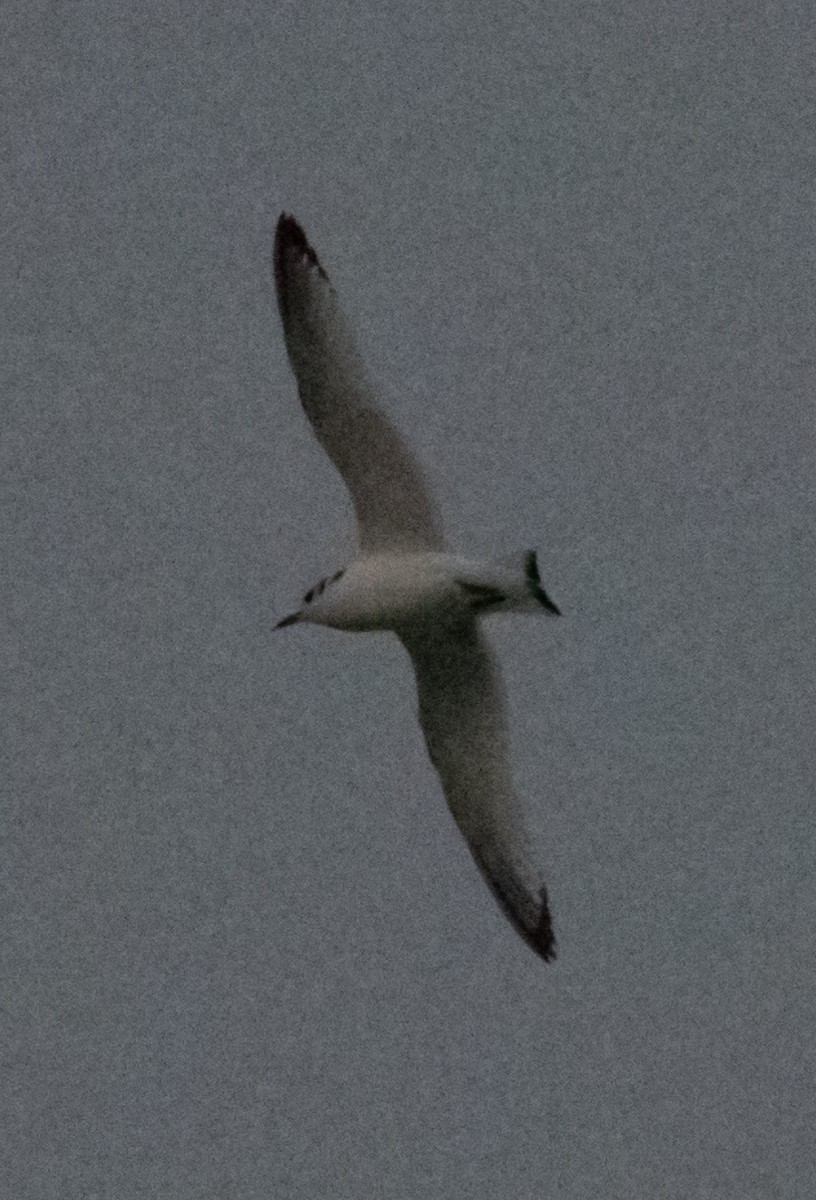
<point x="534" y="584"/>
<point x="507" y="586"/>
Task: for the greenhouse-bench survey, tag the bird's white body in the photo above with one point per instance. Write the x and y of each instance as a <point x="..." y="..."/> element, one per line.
<point x="406" y="580"/>
<point x="393" y="591"/>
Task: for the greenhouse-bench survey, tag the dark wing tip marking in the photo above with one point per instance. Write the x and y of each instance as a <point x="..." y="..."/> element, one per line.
<point x="519" y="906"/>
<point x="544" y="941"/>
<point x="291" y="241"/>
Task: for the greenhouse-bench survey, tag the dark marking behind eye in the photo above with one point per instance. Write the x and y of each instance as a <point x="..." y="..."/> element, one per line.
<point x="319" y="588"/>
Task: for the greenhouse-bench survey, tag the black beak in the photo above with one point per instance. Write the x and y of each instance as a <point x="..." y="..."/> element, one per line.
<point x="290" y="620"/>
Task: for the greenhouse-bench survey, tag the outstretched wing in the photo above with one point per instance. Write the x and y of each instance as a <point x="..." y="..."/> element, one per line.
<point x="461" y="711"/>
<point x="394" y="508"/>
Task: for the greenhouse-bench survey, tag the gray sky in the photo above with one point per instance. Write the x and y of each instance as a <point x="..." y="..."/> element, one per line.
<point x="245" y="951"/>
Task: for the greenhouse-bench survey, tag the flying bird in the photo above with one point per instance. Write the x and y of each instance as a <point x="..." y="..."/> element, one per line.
<point x="405" y="579"/>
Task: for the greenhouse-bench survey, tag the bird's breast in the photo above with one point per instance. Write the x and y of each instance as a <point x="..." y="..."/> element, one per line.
<point x="385" y="592"/>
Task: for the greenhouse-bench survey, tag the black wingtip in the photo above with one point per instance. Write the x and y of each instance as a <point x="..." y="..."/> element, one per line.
<point x="544" y="940"/>
<point x="289" y="232"/>
<point x="291" y="241"/>
<point x="530" y="916"/>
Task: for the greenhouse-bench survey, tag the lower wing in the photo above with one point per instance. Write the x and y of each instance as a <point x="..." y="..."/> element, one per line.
<point x="461" y="712"/>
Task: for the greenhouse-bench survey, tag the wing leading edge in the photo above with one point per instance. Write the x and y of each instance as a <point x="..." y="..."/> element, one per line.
<point x="394" y="508"/>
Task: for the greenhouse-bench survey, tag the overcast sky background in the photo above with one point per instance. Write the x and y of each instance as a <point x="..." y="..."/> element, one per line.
<point x="245" y="951"/>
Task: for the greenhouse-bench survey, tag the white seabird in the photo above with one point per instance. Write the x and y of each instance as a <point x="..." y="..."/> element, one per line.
<point x="407" y="581"/>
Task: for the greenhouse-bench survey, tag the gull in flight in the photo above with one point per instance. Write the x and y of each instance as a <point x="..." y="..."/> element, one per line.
<point x="406" y="580"/>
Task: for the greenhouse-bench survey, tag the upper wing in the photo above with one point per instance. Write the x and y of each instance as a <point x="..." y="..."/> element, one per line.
<point x="393" y="506"/>
<point x="461" y="711"/>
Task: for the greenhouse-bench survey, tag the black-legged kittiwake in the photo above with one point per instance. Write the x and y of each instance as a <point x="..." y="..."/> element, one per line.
<point x="406" y="580"/>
